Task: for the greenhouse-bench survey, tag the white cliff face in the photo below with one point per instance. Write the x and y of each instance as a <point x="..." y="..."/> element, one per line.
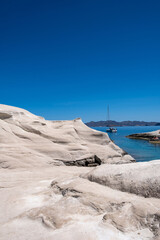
<point x="28" y="140"/>
<point x="43" y="197"/>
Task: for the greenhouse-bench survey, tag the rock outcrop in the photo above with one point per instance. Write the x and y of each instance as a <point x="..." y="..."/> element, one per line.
<point x="142" y="178"/>
<point x="44" y="194"/>
<point x="28" y="140"/>
<point x="153" y="137"/>
<point x="56" y="203"/>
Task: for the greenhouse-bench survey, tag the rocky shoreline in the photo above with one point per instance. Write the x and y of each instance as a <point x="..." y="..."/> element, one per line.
<point x="63" y="180"/>
<point x="152" y="137"/>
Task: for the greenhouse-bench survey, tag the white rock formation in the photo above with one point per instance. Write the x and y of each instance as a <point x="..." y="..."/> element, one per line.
<point x="28" y="140"/>
<point x="41" y="201"/>
<point x="55" y="203"/>
<point x="142" y="178"/>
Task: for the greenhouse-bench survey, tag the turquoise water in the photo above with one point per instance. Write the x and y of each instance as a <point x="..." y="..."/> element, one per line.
<point x="141" y="150"/>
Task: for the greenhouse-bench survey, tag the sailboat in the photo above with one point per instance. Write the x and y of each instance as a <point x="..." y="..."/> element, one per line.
<point x="110" y="129"/>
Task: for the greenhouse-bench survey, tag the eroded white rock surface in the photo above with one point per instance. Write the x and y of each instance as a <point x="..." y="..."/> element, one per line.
<point x="28" y="140"/>
<point x="142" y="178"/>
<point x="42" y="201"/>
<point x="55" y="203"/>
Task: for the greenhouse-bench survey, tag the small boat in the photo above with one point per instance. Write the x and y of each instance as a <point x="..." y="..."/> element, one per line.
<point x="111" y="130"/>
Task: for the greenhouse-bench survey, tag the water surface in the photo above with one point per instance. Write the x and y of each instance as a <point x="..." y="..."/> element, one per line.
<point x="141" y="150"/>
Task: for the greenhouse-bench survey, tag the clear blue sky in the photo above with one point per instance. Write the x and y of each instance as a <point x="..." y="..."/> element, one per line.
<point x="67" y="59"/>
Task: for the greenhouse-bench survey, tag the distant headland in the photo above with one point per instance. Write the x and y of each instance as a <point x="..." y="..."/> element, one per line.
<point x="112" y="123"/>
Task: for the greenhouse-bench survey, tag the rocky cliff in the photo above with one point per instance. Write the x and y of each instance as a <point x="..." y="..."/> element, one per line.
<point x="28" y="140"/>
<point x="44" y="194"/>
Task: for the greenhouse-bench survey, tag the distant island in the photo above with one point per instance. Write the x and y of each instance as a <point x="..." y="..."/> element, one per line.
<point x="112" y="123"/>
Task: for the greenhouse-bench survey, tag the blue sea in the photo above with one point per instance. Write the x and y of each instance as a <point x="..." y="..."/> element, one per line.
<point x="141" y="150"/>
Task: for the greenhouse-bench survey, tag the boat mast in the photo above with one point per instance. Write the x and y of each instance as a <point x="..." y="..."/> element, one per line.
<point x="108" y="113"/>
